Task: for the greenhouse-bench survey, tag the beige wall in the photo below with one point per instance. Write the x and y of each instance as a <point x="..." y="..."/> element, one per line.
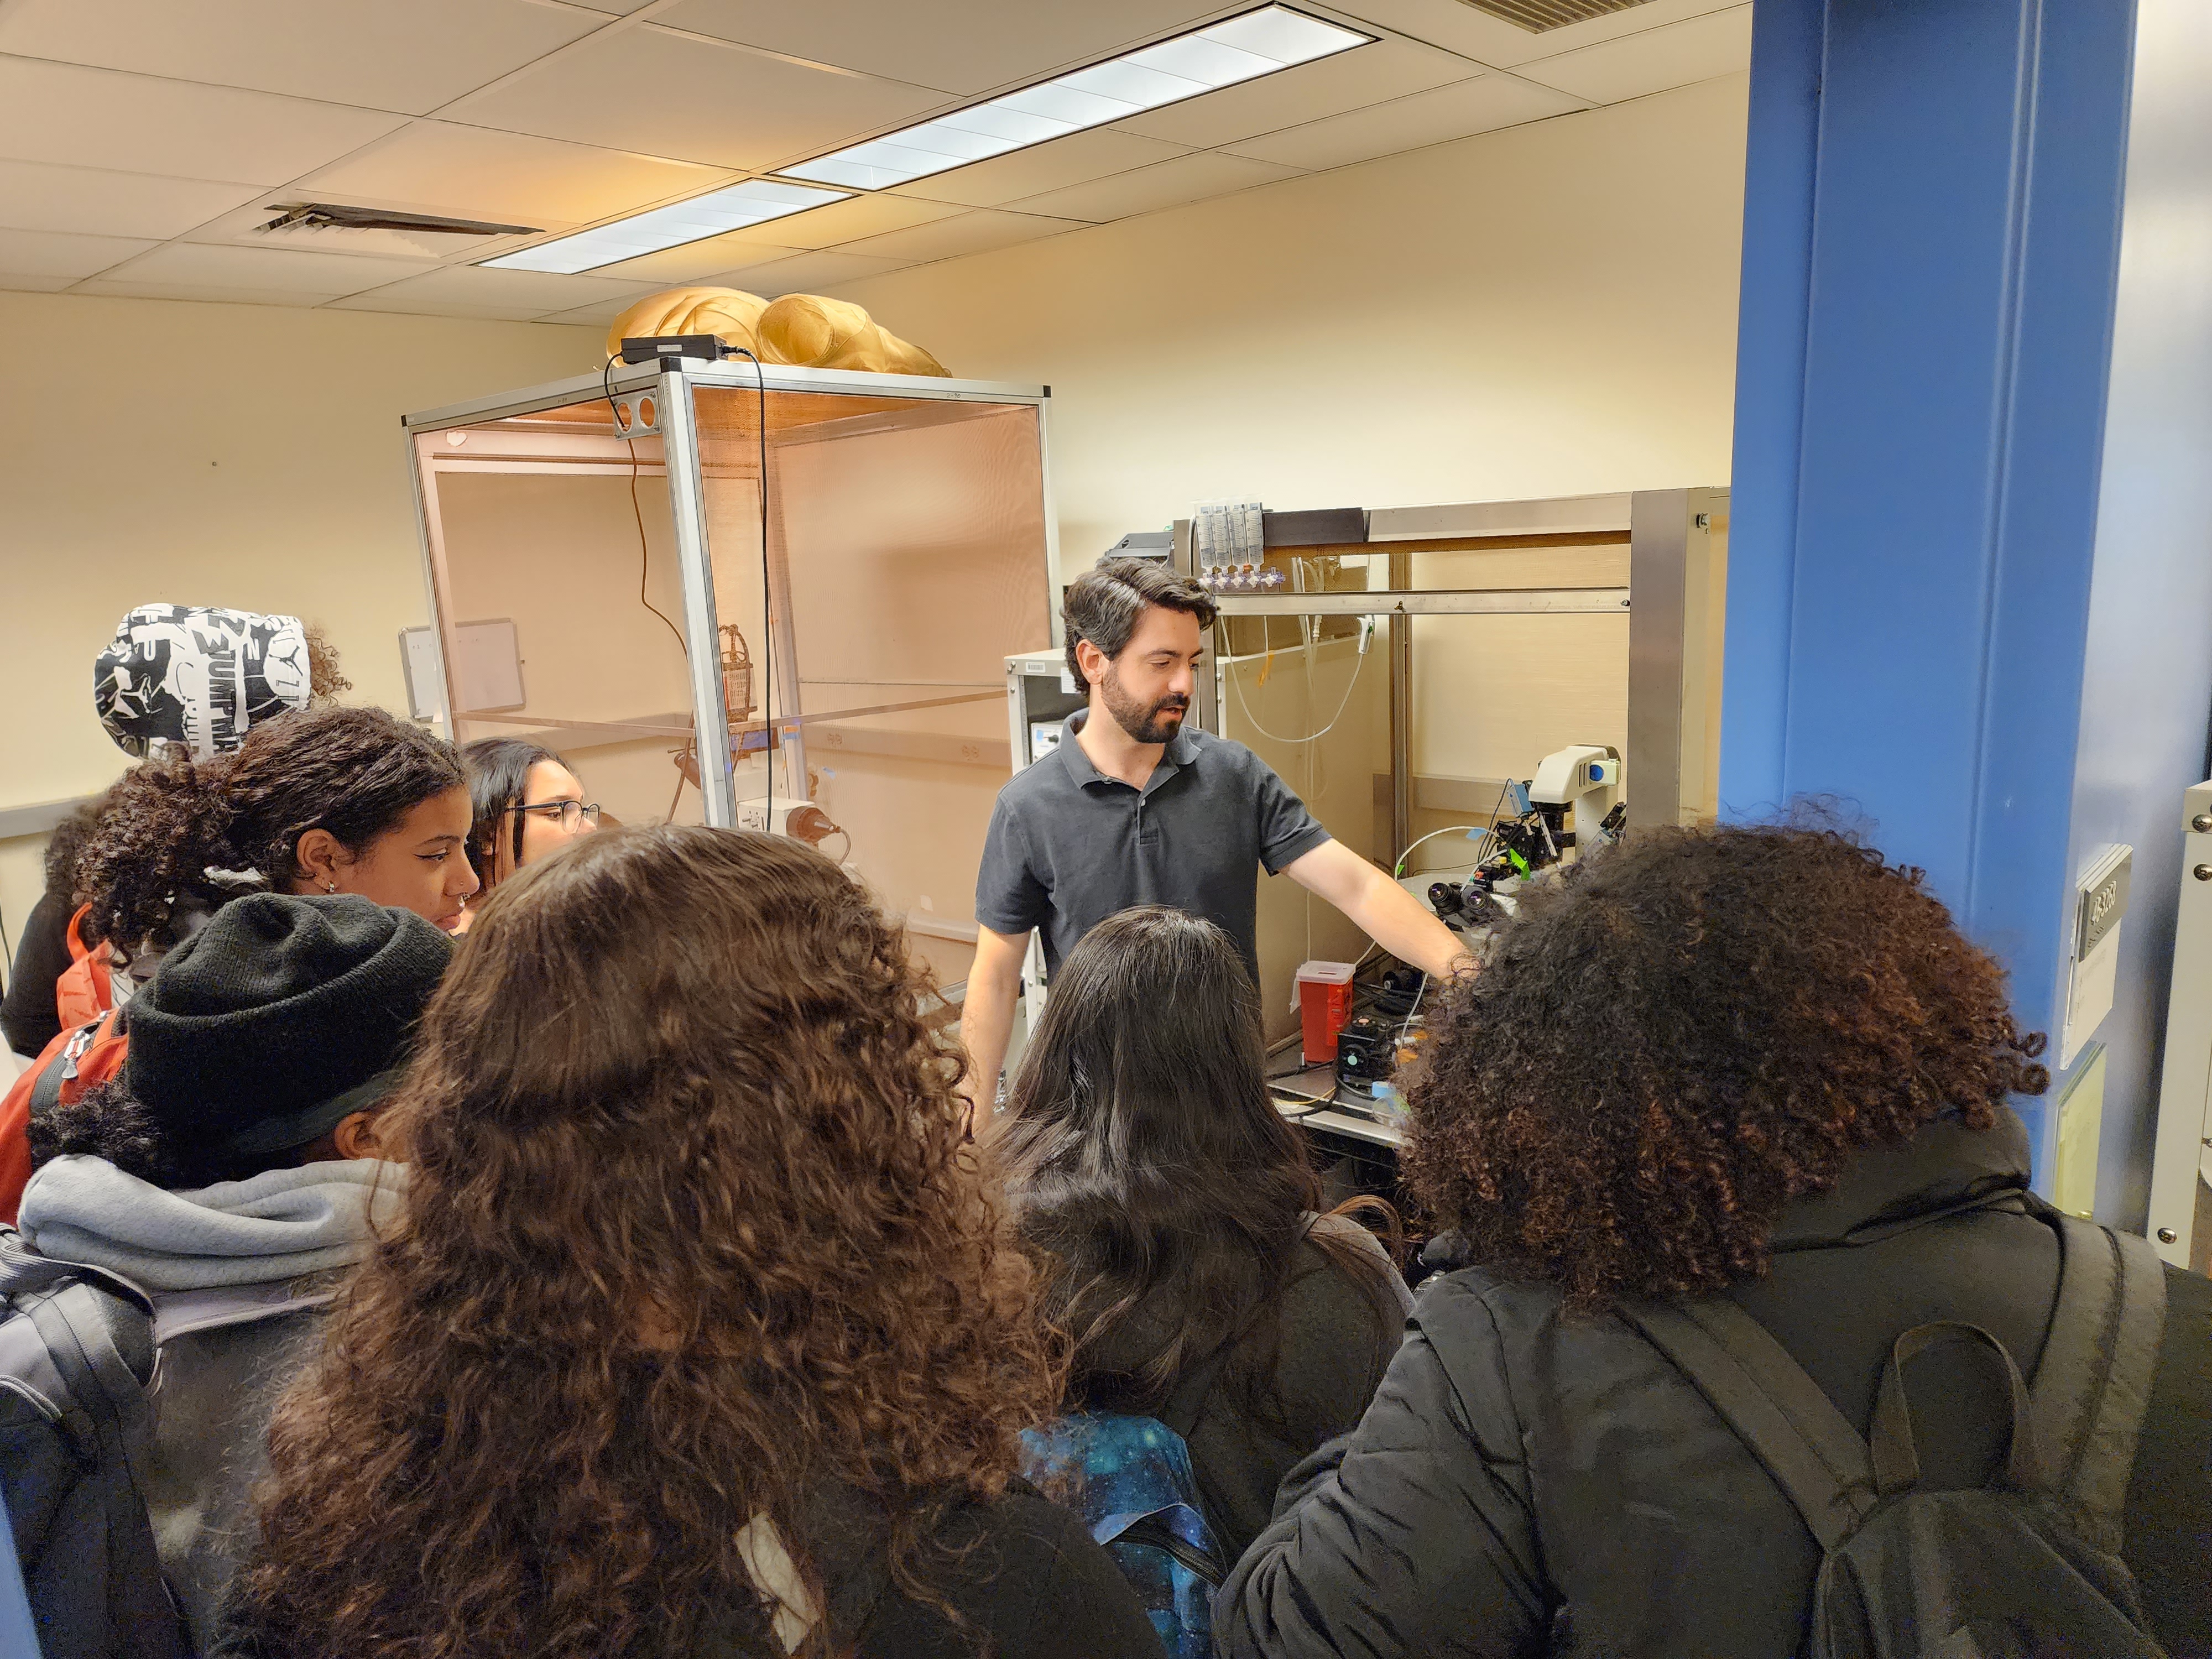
<point x="1545" y="311"/>
<point x="242" y="455"/>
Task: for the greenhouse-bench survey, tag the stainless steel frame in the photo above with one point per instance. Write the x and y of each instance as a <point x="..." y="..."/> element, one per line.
<point x="687" y="496"/>
<point x="645" y="377"/>
<point x="673" y="385"/>
<point x="1669" y="549"/>
<point x="1429" y="602"/>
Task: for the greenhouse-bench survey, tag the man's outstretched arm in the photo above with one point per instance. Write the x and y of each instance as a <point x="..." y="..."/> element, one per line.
<point x="1386" y="912"/>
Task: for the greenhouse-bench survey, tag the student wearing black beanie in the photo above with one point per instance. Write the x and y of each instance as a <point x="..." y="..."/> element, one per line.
<point x="234" y="1171"/>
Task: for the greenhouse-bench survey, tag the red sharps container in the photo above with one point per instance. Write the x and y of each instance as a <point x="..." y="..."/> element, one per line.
<point x="1324" y="1003"/>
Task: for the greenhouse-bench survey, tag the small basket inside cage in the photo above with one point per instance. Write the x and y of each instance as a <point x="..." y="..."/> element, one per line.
<point x="737" y="673"/>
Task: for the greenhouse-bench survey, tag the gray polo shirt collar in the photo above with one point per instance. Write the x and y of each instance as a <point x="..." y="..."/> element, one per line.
<point x="1182" y="750"/>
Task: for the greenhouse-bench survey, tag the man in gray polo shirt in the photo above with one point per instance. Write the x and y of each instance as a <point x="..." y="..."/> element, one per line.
<point x="1133" y="809"/>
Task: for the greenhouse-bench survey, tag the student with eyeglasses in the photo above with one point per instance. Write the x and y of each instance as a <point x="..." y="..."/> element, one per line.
<point x="528" y="803"/>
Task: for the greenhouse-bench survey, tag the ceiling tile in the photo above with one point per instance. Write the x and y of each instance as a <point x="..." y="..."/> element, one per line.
<point x="275" y="270"/>
<point x="137" y="123"/>
<point x="205" y="295"/>
<point x="42" y="196"/>
<point x="969" y="232"/>
<point x="1330" y="86"/>
<point x="809" y="273"/>
<point x="46" y="253"/>
<point x="1457" y="27"/>
<point x="598" y="315"/>
<point x="473" y="173"/>
<point x="961" y="45"/>
<point x="613" y="8"/>
<point x="1170" y="184"/>
<point x="407" y="55"/>
<point x="1074" y="160"/>
<point x="1653" y="61"/>
<point x="1483" y="104"/>
<point x="697" y="99"/>
<point x="479" y="291"/>
<point x="11" y="283"/>
<point x="706" y="262"/>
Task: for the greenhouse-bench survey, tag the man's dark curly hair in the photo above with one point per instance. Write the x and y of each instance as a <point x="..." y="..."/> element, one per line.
<point x="1697" y="1027"/>
<point x="355" y="772"/>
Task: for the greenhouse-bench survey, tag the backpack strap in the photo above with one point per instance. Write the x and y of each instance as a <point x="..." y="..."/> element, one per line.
<point x="1897" y="1461"/>
<point x="46" y="1088"/>
<point x="23" y="1270"/>
<point x="1795" y="1431"/>
<point x="109" y="1412"/>
<point x="2093" y="1385"/>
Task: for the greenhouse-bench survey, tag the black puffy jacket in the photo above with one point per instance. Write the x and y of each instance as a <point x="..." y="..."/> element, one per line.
<point x="1581" y="1498"/>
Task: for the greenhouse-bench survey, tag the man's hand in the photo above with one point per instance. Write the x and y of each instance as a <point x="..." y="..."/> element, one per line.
<point x="1386" y="912"/>
<point x="986" y="1014"/>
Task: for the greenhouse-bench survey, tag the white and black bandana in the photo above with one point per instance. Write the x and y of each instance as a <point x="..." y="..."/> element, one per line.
<point x="196" y="677"/>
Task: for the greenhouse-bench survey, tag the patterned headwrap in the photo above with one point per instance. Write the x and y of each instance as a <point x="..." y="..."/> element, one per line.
<point x="197" y="678"/>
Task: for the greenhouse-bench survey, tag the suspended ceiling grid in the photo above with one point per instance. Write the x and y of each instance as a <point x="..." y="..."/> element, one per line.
<point x="144" y="143"/>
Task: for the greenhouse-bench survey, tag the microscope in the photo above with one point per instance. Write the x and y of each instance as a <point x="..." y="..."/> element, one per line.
<point x="1573" y="803"/>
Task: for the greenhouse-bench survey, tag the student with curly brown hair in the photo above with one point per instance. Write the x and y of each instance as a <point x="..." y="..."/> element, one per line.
<point x="1747" y="1072"/>
<point x="702" y="1333"/>
<point x="324" y="800"/>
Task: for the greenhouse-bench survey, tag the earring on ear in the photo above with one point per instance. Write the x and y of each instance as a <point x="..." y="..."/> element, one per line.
<point x="329" y="886"/>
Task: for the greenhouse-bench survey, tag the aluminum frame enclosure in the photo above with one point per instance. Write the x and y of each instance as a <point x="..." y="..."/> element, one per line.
<point x="896" y="420"/>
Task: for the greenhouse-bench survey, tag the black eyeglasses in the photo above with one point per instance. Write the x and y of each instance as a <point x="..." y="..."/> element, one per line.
<point x="572" y="814"/>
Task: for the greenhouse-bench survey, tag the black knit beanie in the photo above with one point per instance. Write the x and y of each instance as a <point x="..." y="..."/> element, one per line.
<point x="279" y="1018"/>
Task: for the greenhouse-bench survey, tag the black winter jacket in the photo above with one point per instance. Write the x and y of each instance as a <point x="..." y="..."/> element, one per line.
<point x="1583" y="1499"/>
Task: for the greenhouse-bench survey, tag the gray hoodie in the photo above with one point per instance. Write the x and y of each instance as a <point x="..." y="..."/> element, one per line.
<point x="235" y="1273"/>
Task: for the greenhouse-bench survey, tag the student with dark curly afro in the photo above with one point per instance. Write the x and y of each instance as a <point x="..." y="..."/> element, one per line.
<point x="1755" y="1065"/>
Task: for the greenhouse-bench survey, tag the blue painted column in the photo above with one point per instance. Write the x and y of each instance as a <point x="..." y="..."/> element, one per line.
<point x="1932" y="215"/>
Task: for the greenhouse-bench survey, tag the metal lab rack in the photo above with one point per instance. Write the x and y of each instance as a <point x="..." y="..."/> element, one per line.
<point x="685" y="434"/>
<point x="1672" y="536"/>
<point x="617" y="522"/>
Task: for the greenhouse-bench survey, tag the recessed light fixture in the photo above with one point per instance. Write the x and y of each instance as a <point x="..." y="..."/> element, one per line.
<point x="1222" y="54"/>
<point x="1219" y="54"/>
<point x="753" y="203"/>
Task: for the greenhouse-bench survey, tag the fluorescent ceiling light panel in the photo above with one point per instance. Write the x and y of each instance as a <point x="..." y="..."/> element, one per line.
<point x="1219" y="54"/>
<point x="753" y="203"/>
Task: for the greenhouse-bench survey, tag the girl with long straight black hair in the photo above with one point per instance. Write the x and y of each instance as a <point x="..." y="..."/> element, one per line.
<point x="527" y="804"/>
<point x="1188" y="1263"/>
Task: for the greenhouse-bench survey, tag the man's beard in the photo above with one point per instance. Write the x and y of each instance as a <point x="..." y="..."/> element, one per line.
<point x="1142" y="722"/>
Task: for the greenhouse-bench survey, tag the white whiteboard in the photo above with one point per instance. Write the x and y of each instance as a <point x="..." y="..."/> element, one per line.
<point x="487" y="668"/>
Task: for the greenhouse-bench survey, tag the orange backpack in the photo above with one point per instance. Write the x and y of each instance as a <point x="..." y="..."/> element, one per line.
<point x="84" y="992"/>
<point x="73" y="1062"/>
